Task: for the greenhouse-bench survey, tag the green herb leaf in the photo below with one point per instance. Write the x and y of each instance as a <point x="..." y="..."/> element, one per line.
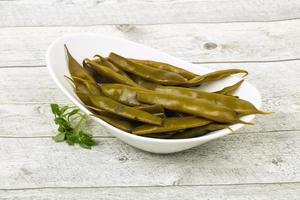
<point x="60" y="121"/>
<point x="73" y="112"/>
<point x="55" y="109"/>
<point x="70" y="126"/>
<point x="60" y="137"/>
<point x="72" y="139"/>
<point x="86" y="139"/>
<point x="61" y="129"/>
<point x="63" y="109"/>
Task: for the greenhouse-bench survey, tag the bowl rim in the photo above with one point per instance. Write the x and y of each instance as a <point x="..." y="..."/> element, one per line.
<point x="210" y="136"/>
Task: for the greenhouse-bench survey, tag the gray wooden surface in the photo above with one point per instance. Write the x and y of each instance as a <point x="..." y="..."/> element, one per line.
<point x="258" y="162"/>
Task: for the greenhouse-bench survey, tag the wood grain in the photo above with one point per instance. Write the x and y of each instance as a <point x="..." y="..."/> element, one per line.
<point x="79" y="12"/>
<point x="290" y="191"/>
<point x="237" y="42"/>
<point x="235" y="159"/>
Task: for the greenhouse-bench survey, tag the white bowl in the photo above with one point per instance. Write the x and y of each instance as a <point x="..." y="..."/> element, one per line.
<point x="84" y="45"/>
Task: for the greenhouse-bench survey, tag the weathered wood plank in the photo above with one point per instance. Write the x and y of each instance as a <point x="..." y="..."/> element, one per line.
<point x="26" y="100"/>
<point x="234" y="192"/>
<point x="35" y="120"/>
<point x="235" y="159"/>
<point x="78" y="12"/>
<point x="241" y="42"/>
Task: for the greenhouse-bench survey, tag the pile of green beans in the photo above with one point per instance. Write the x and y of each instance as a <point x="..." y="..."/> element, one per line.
<point x="156" y="99"/>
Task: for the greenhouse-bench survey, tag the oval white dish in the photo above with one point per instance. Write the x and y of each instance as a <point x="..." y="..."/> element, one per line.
<point x="82" y="45"/>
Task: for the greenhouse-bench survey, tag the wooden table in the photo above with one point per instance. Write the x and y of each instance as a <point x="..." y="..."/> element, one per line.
<point x="258" y="162"/>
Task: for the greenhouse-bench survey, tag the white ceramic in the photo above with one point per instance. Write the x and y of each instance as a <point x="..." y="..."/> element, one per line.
<point x="82" y="45"/>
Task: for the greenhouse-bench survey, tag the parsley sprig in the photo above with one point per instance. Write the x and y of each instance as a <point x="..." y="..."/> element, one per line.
<point x="70" y="122"/>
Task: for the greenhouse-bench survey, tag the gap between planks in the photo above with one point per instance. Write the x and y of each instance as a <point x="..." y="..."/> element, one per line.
<point x="150" y="24"/>
<point x="217" y="62"/>
<point x="152" y="186"/>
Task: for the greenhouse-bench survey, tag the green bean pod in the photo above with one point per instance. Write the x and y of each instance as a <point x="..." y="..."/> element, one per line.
<point x="127" y="95"/>
<point x="91" y="87"/>
<point x="111" y="74"/>
<point x="120" y="123"/>
<point x="230" y="89"/>
<point x="104" y="61"/>
<point x="213" y="76"/>
<point x="149" y="73"/>
<point x="154" y="108"/>
<point x="198" y="107"/>
<point x="238" y="105"/>
<point x="83" y="89"/>
<point x="165" y="66"/>
<point x="121" y="93"/>
<point x="82" y="93"/>
<point x="98" y="77"/>
<point x="114" y="107"/>
<point x="99" y="111"/>
<point x="199" y="131"/>
<point x="145" y="84"/>
<point x="171" y="124"/>
<point x="75" y="68"/>
<point x="106" y="113"/>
